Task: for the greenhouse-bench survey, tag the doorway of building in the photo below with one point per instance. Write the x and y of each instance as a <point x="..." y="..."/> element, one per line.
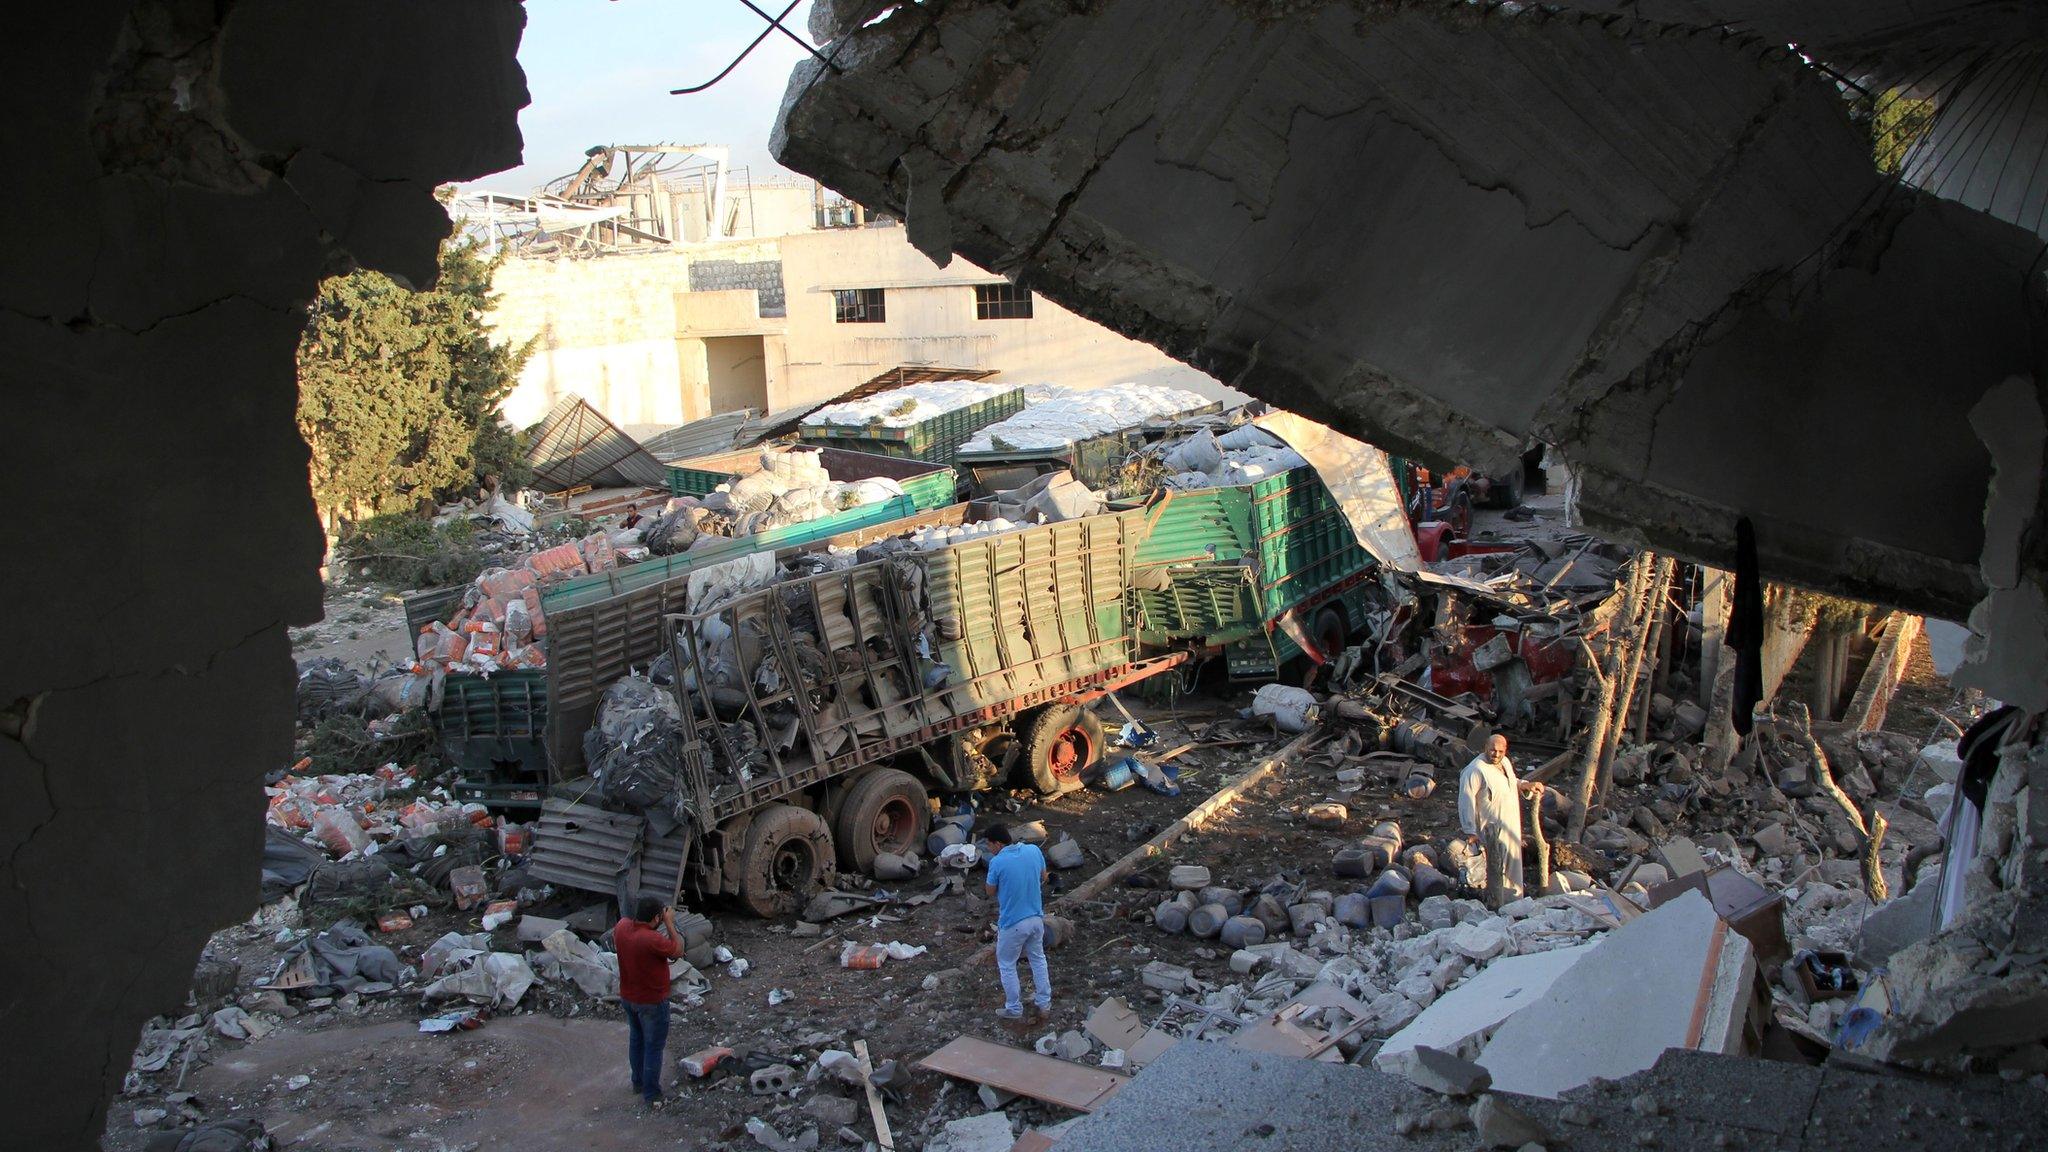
<point x="737" y="369"/>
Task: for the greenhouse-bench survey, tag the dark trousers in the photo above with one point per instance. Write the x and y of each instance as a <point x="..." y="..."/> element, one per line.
<point x="646" y="1045"/>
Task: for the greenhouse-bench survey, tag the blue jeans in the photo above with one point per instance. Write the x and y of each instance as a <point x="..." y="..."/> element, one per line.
<point x="646" y="1045"/>
<point x="1027" y="938"/>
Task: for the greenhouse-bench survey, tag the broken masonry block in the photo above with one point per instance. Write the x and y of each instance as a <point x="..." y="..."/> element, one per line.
<point x="771" y="1080"/>
<point x="1388" y="909"/>
<point x="1354" y="910"/>
<point x="1164" y="977"/>
<point x="1355" y="863"/>
<point x="1500" y="1125"/>
<point x="1439" y="1071"/>
<point x="1302" y="918"/>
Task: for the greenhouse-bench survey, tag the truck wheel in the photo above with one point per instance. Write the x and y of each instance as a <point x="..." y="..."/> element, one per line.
<point x="885" y="811"/>
<point x="788" y="859"/>
<point x="1061" y="741"/>
<point x="1330" y="632"/>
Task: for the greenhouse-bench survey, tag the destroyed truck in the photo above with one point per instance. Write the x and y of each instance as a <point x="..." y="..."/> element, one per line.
<point x="512" y="731"/>
<point x="816" y="714"/>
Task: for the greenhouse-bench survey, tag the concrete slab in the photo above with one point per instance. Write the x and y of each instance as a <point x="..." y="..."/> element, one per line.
<point x="1213" y="1096"/>
<point x="1460" y="1020"/>
<point x="1664" y="980"/>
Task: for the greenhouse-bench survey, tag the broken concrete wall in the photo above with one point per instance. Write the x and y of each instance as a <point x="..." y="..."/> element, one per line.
<point x="1979" y="990"/>
<point x="1444" y="228"/>
<point x="194" y="170"/>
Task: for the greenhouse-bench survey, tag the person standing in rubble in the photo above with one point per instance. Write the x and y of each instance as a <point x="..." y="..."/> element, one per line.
<point x="645" y="943"/>
<point x="1490" y="812"/>
<point x="1016" y="875"/>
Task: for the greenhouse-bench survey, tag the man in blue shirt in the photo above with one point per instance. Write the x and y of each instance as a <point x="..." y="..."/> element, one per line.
<point x="1015" y="874"/>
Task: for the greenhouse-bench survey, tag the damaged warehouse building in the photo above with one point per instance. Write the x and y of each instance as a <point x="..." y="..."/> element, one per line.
<point x="1782" y="348"/>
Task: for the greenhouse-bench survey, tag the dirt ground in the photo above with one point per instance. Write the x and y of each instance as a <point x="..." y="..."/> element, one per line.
<point x="363" y="627"/>
<point x="554" y="1076"/>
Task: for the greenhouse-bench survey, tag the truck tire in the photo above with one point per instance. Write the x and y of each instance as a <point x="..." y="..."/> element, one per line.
<point x="787" y="860"/>
<point x="885" y="811"/>
<point x="1061" y="741"/>
<point x="1330" y="632"/>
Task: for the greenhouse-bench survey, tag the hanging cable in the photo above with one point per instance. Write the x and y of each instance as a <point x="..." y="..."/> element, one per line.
<point x="774" y="25"/>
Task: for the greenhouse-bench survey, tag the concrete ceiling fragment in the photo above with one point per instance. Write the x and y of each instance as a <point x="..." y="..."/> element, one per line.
<point x="1660" y="245"/>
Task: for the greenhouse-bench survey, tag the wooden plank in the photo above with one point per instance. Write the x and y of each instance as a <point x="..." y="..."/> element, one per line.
<point x="1032" y="1141"/>
<point x="1074" y="1086"/>
<point x="1196" y="817"/>
<point x="883" y="1139"/>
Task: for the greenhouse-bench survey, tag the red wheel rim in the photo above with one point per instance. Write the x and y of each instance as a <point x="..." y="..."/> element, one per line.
<point x="895" y="826"/>
<point x="1071" y="750"/>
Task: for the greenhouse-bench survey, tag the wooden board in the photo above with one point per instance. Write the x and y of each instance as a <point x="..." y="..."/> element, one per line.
<point x="1074" y="1086"/>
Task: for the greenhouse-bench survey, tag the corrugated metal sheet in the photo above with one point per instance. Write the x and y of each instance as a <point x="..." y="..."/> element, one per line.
<point x="575" y="445"/>
<point x="720" y="433"/>
<point x="585" y="847"/>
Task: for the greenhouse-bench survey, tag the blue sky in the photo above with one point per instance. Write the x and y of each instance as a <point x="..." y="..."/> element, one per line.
<point x="599" y="72"/>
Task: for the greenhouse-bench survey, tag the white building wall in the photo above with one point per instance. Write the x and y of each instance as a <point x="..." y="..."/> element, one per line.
<point x="603" y="329"/>
<point x="626" y="333"/>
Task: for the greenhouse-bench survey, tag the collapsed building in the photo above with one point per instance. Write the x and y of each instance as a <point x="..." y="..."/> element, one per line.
<point x="202" y="170"/>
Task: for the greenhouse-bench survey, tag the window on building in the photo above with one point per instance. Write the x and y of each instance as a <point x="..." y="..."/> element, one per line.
<point x="858" y="306"/>
<point x="1001" y="302"/>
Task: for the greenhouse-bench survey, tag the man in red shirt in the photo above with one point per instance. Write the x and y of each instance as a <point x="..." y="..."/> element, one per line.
<point x="645" y="944"/>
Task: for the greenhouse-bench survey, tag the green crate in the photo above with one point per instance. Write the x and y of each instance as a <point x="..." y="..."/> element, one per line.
<point x="935" y="441"/>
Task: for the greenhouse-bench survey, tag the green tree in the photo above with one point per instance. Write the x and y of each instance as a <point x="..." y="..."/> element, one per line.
<point x="399" y="390"/>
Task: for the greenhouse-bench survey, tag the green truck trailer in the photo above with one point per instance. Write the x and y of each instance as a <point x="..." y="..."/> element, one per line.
<point x="935" y="440"/>
<point x="1250" y="571"/>
<point x="509" y="733"/>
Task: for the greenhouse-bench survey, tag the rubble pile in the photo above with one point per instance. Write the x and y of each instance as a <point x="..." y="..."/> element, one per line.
<point x="1395" y="972"/>
<point x="1774" y="813"/>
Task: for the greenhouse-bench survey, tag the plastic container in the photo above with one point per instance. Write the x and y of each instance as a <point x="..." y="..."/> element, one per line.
<point x="1118" y="776"/>
<point x="863" y="956"/>
<point x="339" y="831"/>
